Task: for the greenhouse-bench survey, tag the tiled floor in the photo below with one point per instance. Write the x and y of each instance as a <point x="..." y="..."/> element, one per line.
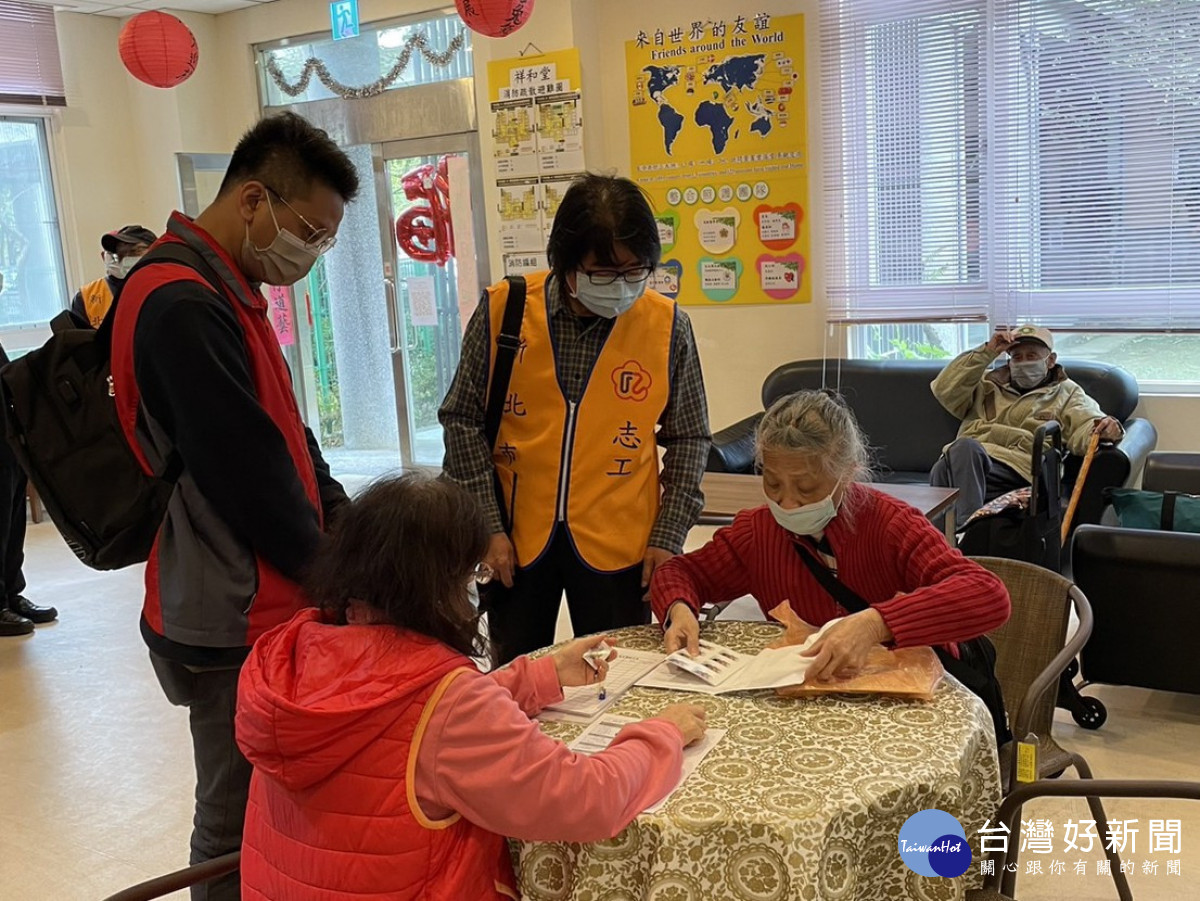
<point x="96" y="777"/>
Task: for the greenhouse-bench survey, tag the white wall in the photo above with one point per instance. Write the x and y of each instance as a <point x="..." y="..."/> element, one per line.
<point x="1177" y="419"/>
<point x="119" y="138"/>
<point x="96" y="142"/>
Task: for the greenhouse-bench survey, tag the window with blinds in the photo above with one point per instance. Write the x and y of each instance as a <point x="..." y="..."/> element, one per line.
<point x="30" y="71"/>
<point x="1013" y="160"/>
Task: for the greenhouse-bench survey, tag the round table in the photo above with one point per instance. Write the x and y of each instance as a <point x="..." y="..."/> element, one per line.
<point x="802" y="798"/>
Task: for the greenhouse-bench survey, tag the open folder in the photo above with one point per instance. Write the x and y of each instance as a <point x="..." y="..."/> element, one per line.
<point x="718" y="670"/>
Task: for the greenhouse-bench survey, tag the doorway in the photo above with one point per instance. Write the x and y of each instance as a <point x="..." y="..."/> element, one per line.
<point x="373" y="333"/>
<point x="379" y="323"/>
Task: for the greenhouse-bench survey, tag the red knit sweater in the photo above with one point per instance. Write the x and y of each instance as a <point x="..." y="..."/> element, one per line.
<point x="892" y="556"/>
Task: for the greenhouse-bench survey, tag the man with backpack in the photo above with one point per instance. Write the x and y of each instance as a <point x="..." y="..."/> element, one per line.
<point x="202" y="391"/>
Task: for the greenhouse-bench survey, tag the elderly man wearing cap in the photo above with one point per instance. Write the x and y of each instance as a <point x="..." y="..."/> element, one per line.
<point x="121" y="250"/>
<point x="1002" y="408"/>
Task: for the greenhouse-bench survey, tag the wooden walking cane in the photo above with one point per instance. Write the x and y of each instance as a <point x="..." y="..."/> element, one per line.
<point x="1093" y="445"/>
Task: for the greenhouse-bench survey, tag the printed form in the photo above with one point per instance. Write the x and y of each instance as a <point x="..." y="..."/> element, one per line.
<point x="600" y="734"/>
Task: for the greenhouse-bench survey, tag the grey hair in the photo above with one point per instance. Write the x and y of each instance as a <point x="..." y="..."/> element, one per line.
<point x="820" y="425"/>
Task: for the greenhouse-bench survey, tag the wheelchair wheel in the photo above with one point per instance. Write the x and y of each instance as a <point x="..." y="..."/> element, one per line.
<point x="1090" y="713"/>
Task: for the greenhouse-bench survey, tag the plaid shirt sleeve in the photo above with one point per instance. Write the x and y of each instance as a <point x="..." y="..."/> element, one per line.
<point x="685" y="433"/>
<point x="468" y="457"/>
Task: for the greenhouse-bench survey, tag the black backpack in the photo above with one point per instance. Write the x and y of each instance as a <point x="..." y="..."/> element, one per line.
<point x="1033" y="534"/>
<point x="61" y="419"/>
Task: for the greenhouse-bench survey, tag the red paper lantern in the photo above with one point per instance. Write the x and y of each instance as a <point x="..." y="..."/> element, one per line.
<point x="494" y="18"/>
<point x="158" y="49"/>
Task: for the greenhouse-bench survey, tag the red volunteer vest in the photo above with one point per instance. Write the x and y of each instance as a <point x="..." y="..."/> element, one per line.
<point x="277" y="598"/>
<point x="361" y="834"/>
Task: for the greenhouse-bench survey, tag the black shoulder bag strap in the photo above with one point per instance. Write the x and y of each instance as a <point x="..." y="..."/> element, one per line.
<point x="507" y="344"/>
<point x="975" y="667"/>
<point x="839" y="591"/>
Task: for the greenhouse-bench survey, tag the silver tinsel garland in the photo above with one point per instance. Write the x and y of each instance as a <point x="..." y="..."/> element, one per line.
<point x="313" y="65"/>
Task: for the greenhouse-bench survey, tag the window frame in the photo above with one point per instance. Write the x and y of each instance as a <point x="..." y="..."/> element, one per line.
<point x="1004" y="231"/>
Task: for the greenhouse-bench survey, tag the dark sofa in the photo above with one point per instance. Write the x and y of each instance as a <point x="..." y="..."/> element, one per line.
<point x="908" y="428"/>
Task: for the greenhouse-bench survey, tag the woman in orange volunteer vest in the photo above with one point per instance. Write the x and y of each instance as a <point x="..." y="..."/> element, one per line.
<point x="606" y="372"/>
<point x="385" y="764"/>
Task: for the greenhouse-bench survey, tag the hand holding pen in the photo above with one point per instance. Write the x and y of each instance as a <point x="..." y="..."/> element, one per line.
<point x="583" y="661"/>
<point x="596" y="658"/>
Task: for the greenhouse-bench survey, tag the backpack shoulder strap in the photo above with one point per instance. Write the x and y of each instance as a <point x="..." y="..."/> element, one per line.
<point x="507" y="344"/>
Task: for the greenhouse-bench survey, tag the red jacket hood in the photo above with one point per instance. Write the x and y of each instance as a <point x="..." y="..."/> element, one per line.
<point x="313" y="694"/>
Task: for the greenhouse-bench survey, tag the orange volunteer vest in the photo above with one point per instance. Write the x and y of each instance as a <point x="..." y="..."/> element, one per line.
<point x="591" y="466"/>
<point x="97" y="298"/>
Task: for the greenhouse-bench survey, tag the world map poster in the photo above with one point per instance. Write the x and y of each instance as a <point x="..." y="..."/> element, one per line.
<point x="718" y="138"/>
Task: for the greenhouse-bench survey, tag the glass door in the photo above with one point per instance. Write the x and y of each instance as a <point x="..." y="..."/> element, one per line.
<point x="433" y="276"/>
<point x="375" y="329"/>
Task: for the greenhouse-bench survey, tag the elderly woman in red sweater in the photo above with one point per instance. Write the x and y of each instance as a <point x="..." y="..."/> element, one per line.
<point x="919" y="591"/>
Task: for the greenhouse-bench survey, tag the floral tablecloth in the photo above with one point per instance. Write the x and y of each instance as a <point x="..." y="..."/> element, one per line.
<point x="802" y="799"/>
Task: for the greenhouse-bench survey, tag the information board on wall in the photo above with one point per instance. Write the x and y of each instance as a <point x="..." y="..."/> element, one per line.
<point x="718" y="138"/>
<point x="537" y="129"/>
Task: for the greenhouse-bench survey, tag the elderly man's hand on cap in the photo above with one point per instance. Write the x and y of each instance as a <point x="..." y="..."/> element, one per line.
<point x="1001" y="341"/>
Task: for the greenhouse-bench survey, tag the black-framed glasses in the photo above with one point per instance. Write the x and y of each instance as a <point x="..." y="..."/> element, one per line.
<point x="316" y="240"/>
<point x="632" y="275"/>
<point x="482" y="573"/>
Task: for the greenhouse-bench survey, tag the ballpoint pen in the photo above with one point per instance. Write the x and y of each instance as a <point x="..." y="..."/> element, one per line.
<point x="593" y="659"/>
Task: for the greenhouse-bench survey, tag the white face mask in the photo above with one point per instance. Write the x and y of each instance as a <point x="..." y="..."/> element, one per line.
<point x="285" y="260"/>
<point x="806" y="520"/>
<point x="1030" y="373"/>
<point x="119" y="269"/>
<point x="609" y="301"/>
<point x="473" y="593"/>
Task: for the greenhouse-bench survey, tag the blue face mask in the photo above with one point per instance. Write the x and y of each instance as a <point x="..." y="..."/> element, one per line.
<point x="609" y="301"/>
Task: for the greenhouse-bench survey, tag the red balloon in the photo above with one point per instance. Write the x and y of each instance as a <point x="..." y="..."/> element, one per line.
<point x="158" y="49"/>
<point x="494" y="18"/>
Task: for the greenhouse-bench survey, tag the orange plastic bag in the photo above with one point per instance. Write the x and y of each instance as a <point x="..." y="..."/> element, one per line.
<point x="913" y="673"/>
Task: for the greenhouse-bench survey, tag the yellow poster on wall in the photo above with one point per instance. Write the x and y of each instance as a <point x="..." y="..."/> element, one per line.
<point x="718" y="137"/>
<point x="537" y="131"/>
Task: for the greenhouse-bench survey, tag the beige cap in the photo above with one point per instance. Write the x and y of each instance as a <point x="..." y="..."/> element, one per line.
<point x="1032" y="333"/>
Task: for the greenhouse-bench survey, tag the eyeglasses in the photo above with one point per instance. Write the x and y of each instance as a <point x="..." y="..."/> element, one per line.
<point x="316" y="240"/>
<point x="608" y="276"/>
<point x="482" y="573"/>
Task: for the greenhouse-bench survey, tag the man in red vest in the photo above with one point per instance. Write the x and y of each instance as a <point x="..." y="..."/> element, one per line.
<point x="201" y="384"/>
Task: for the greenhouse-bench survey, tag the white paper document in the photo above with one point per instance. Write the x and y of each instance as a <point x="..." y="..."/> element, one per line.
<point x="600" y="734"/>
<point x="583" y="702"/>
<point x="718" y="669"/>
